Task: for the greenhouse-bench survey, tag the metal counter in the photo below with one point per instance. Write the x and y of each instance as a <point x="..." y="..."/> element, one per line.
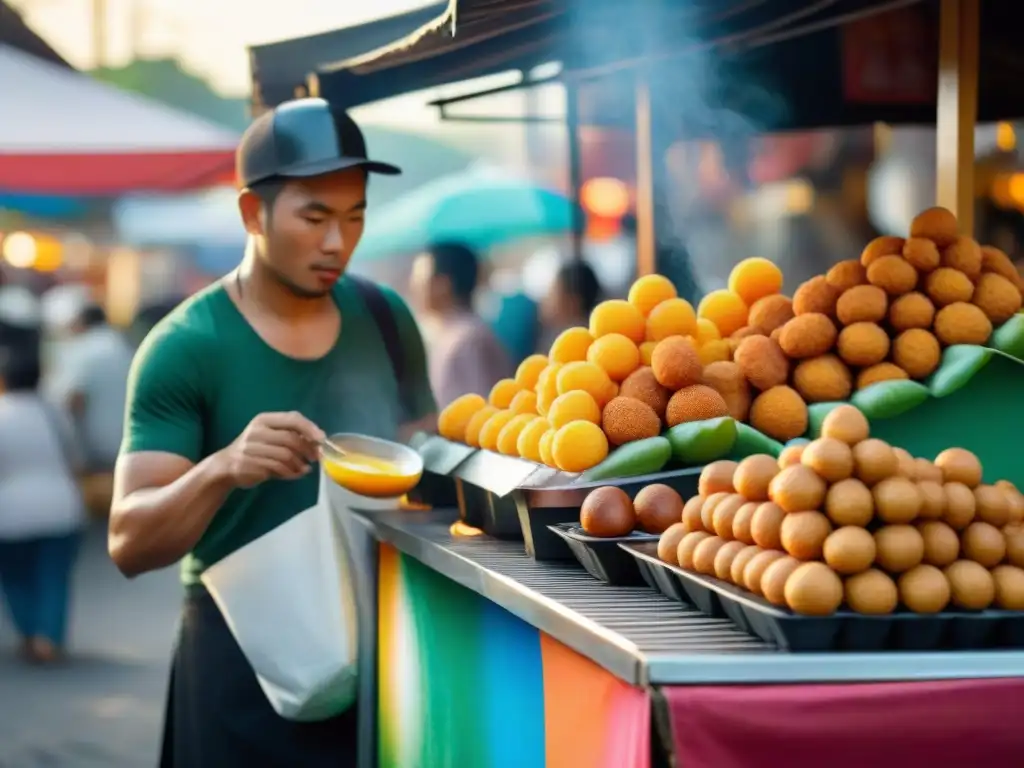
<point x="639" y="635"/>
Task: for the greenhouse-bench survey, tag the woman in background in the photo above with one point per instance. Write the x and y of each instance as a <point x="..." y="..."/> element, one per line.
<point x="574" y="293"/>
<point x="41" y="512"/>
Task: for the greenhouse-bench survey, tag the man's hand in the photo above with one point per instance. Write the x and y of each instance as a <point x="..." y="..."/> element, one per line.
<point x="274" y="445"/>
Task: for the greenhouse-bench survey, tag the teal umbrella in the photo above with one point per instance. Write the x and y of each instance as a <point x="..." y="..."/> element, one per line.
<point x="481" y="209"/>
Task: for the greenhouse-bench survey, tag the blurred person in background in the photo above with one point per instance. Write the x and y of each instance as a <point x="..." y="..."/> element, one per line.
<point x="463" y="352"/>
<point x="41" y="510"/>
<point x="574" y="292"/>
<point x="90" y="382"/>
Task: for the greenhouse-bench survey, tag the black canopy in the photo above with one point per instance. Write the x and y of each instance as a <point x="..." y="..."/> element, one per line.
<point x="713" y="64"/>
<point x="279" y="68"/>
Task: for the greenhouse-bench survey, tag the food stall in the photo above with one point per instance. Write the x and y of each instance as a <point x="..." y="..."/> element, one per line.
<point x="496" y="648"/>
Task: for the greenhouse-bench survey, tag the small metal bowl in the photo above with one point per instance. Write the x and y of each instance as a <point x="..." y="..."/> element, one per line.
<point x="365" y="479"/>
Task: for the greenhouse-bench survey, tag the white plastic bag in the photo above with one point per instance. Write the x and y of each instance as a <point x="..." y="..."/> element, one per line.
<point x="290" y="602"/>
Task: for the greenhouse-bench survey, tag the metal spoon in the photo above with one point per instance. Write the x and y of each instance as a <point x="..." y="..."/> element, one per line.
<point x="333" y="447"/>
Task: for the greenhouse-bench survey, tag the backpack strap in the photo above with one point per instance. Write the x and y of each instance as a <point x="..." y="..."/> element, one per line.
<point x="376" y="302"/>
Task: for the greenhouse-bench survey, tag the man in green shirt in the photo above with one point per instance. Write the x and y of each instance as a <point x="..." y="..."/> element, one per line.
<point x="228" y="398"/>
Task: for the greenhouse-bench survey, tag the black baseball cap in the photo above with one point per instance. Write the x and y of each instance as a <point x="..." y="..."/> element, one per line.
<point x="303" y="138"/>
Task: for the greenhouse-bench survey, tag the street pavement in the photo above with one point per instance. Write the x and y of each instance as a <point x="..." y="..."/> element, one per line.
<point x="104" y="707"/>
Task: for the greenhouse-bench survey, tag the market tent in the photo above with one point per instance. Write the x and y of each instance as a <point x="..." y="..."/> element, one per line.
<point x="63" y="133"/>
<point x="768" y="66"/>
<point x="279" y="68"/>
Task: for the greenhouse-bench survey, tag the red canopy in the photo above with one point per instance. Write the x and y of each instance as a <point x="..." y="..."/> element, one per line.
<point x="62" y="133"/>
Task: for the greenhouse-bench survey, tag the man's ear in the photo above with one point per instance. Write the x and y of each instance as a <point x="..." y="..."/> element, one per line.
<point x="253" y="212"/>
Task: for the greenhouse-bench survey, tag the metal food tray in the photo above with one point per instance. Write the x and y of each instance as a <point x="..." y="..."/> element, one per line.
<point x="603" y="558"/>
<point x="550" y="505"/>
<point x="842" y="631"/>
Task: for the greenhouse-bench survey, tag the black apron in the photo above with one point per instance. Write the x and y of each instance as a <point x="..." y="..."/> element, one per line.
<point x="219" y="717"/>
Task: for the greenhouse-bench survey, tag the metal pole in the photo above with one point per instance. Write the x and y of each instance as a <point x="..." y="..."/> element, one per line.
<point x="572" y="124"/>
<point x="645" y="258"/>
<point x="957" y="111"/>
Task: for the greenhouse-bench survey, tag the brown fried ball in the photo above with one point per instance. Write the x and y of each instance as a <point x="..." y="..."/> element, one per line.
<point x="770" y="313"/>
<point x="997" y="297"/>
<point x="863" y="344"/>
<point x="947" y="285"/>
<point x="911" y="310"/>
<point x="922" y="254"/>
<point x="726" y="378"/>
<point x="917" y="352"/>
<point x="762" y="362"/>
<point x="815" y="295"/>
<point x="994" y="260"/>
<point x="807" y="335"/>
<point x="937" y="224"/>
<point x="779" y="412"/>
<point x="880" y="372"/>
<point x="846" y="274"/>
<point x="695" y="403"/>
<point x="641" y="385"/>
<point x="879" y="247"/>
<point x="823" y="379"/>
<point x="962" y="323"/>
<point x="675" y="363"/>
<point x="893" y="274"/>
<point x="625" y="420"/>
<point x="862" y="304"/>
<point x="964" y="255"/>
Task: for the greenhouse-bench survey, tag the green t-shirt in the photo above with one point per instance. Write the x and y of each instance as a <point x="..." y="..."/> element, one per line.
<point x="203" y="373"/>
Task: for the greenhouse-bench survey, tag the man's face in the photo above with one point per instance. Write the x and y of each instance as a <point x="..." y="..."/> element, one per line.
<point x="307" y="237"/>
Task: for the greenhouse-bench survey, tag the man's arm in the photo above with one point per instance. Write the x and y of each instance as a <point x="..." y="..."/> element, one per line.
<point x="419" y="409"/>
<point x="165" y="493"/>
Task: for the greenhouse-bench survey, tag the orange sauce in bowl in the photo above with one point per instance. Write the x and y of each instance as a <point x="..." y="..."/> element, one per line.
<point x="369" y="475"/>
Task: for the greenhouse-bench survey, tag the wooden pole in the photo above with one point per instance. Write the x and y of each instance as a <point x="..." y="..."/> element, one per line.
<point x="645" y="259"/>
<point x="957" y="109"/>
<point x="572" y="129"/>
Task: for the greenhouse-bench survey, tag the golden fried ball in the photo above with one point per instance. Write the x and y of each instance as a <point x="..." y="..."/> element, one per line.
<point x="964" y="255"/>
<point x="726" y="378"/>
<point x="863" y="344"/>
<point x="815" y="295"/>
<point x="922" y="254"/>
<point x="762" y="362"/>
<point x="937" y="224"/>
<point x="862" y="304"/>
<point x="770" y="313"/>
<point x="997" y="297"/>
<point x="675" y="363"/>
<point x="946" y="286"/>
<point x="846" y="274"/>
<point x="823" y="379"/>
<point x="962" y="323"/>
<point x="641" y="385"/>
<point x="880" y="372"/>
<point x="780" y="413"/>
<point x="625" y="420"/>
<point x="893" y="274"/>
<point x="994" y="260"/>
<point x="917" y="352"/>
<point x="807" y="335"/>
<point x="886" y="245"/>
<point x="911" y="310"/>
<point x="695" y="403"/>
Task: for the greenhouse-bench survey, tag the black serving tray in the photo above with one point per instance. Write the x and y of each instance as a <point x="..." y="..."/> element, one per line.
<point x="603" y="558"/>
<point x="843" y="631"/>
